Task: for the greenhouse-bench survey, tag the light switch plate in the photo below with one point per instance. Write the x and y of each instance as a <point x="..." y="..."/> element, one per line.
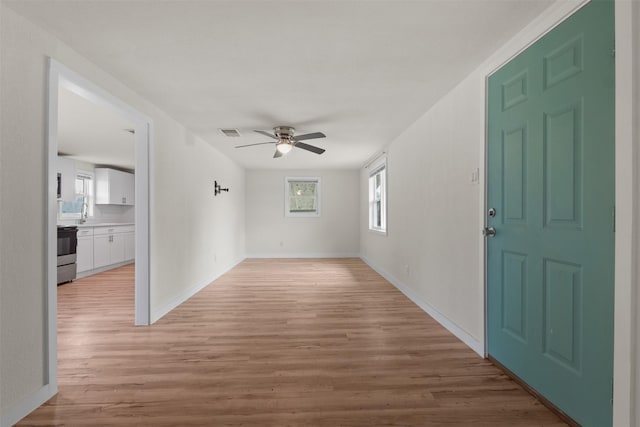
<point x="475" y="176"/>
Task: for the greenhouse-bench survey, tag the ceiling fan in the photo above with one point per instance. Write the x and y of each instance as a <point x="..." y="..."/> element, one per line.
<point x="285" y="140"/>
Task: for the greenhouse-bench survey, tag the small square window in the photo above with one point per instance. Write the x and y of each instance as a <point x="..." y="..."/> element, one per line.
<point x="302" y="196"/>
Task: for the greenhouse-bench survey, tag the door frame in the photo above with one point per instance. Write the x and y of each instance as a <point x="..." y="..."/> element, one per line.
<point x="61" y="76"/>
<point x="626" y="354"/>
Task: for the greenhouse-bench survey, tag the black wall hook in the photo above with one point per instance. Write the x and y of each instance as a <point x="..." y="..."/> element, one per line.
<point x="217" y="188"/>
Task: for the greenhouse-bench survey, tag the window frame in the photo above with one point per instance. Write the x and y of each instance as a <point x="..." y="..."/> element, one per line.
<point x="91" y="197"/>
<point x="378" y="168"/>
<point x="287" y="196"/>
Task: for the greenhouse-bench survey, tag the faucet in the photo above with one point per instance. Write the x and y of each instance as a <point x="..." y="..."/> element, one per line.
<point x="84" y="212"/>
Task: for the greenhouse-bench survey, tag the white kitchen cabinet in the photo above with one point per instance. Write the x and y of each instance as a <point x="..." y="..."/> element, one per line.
<point x="117" y="248"/>
<point x="129" y="188"/>
<point x="105" y="246"/>
<point x="114" y="187"/>
<point x="101" y="251"/>
<point x="84" y="250"/>
<point x="109" y="245"/>
<point x="67" y="170"/>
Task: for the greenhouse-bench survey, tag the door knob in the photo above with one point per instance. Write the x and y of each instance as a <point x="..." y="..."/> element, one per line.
<point x="489" y="232"/>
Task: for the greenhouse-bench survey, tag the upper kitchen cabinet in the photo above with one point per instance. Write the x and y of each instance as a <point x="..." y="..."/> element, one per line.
<point x="114" y="187"/>
<point x="66" y="169"/>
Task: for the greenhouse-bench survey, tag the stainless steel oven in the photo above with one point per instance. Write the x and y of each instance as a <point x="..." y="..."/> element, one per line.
<point x="67" y="245"/>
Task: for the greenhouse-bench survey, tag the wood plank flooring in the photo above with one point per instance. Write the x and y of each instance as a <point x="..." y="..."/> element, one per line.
<point x="273" y="343"/>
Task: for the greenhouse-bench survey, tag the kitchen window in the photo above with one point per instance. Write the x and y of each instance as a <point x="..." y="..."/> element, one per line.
<point x="302" y="196"/>
<point x="378" y="197"/>
<point x="83" y="204"/>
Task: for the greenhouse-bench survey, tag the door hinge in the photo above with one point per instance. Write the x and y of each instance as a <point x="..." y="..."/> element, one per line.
<point x="614" y="219"/>
<point x="612" y="393"/>
<point x="613" y="49"/>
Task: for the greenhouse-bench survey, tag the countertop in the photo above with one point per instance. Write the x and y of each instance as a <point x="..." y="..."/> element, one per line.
<point x="103" y="224"/>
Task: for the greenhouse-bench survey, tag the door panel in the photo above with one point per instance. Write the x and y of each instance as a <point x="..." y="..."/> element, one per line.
<point x="514" y="166"/>
<point x="562" y="145"/>
<point x="551" y="181"/>
<point x="562" y="312"/>
<point x="514" y="296"/>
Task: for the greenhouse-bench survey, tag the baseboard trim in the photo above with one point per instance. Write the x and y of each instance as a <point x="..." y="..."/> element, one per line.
<point x="553" y="408"/>
<point x="463" y="336"/>
<point x="310" y="255"/>
<point x="26" y="406"/>
<point x="159" y="314"/>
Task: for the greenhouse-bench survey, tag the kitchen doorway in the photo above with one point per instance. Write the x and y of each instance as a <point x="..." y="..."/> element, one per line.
<point x="62" y="78"/>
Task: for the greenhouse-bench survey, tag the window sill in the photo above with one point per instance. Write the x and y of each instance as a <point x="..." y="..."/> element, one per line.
<point x="302" y="214"/>
<point x="377" y="231"/>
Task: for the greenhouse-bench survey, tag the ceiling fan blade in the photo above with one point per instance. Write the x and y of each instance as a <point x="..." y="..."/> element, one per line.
<point x="251" y="145"/>
<point x="308" y="147"/>
<point x="277" y="154"/>
<point x="306" y="136"/>
<point x="265" y="133"/>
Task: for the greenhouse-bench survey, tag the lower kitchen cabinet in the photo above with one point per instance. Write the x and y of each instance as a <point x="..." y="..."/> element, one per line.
<point x="117" y="248"/>
<point x="101" y="251"/>
<point x="84" y="252"/>
<point x="109" y="245"/>
<point x="101" y="246"/>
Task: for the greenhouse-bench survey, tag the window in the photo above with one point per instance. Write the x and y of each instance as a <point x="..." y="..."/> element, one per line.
<point x="83" y="204"/>
<point x="378" y="198"/>
<point x="302" y="196"/>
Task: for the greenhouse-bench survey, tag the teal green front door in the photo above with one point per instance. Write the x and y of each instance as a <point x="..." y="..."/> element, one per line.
<point x="551" y="182"/>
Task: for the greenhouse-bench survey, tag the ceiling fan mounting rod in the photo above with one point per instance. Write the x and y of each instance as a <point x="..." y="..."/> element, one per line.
<point x="283" y="132"/>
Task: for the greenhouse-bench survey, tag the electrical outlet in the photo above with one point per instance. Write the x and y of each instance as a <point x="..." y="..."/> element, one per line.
<point x="281" y="243"/>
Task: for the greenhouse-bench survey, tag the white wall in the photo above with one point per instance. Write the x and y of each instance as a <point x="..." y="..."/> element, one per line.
<point x="112" y="213"/>
<point x="334" y="233"/>
<point x="434" y="231"/>
<point x="447" y="230"/>
<point x="194" y="236"/>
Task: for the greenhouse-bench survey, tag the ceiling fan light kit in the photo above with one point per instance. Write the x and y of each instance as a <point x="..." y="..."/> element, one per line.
<point x="284" y="146"/>
<point x="285" y="140"/>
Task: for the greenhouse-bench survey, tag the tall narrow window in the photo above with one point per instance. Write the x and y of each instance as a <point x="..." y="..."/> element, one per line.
<point x="82" y="205"/>
<point x="378" y="198"/>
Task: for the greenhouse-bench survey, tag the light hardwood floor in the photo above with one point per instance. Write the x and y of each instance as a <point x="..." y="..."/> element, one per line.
<point x="273" y="343"/>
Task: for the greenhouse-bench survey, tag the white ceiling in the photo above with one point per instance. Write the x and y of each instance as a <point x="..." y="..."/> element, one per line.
<point x="92" y="133"/>
<point x="359" y="71"/>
